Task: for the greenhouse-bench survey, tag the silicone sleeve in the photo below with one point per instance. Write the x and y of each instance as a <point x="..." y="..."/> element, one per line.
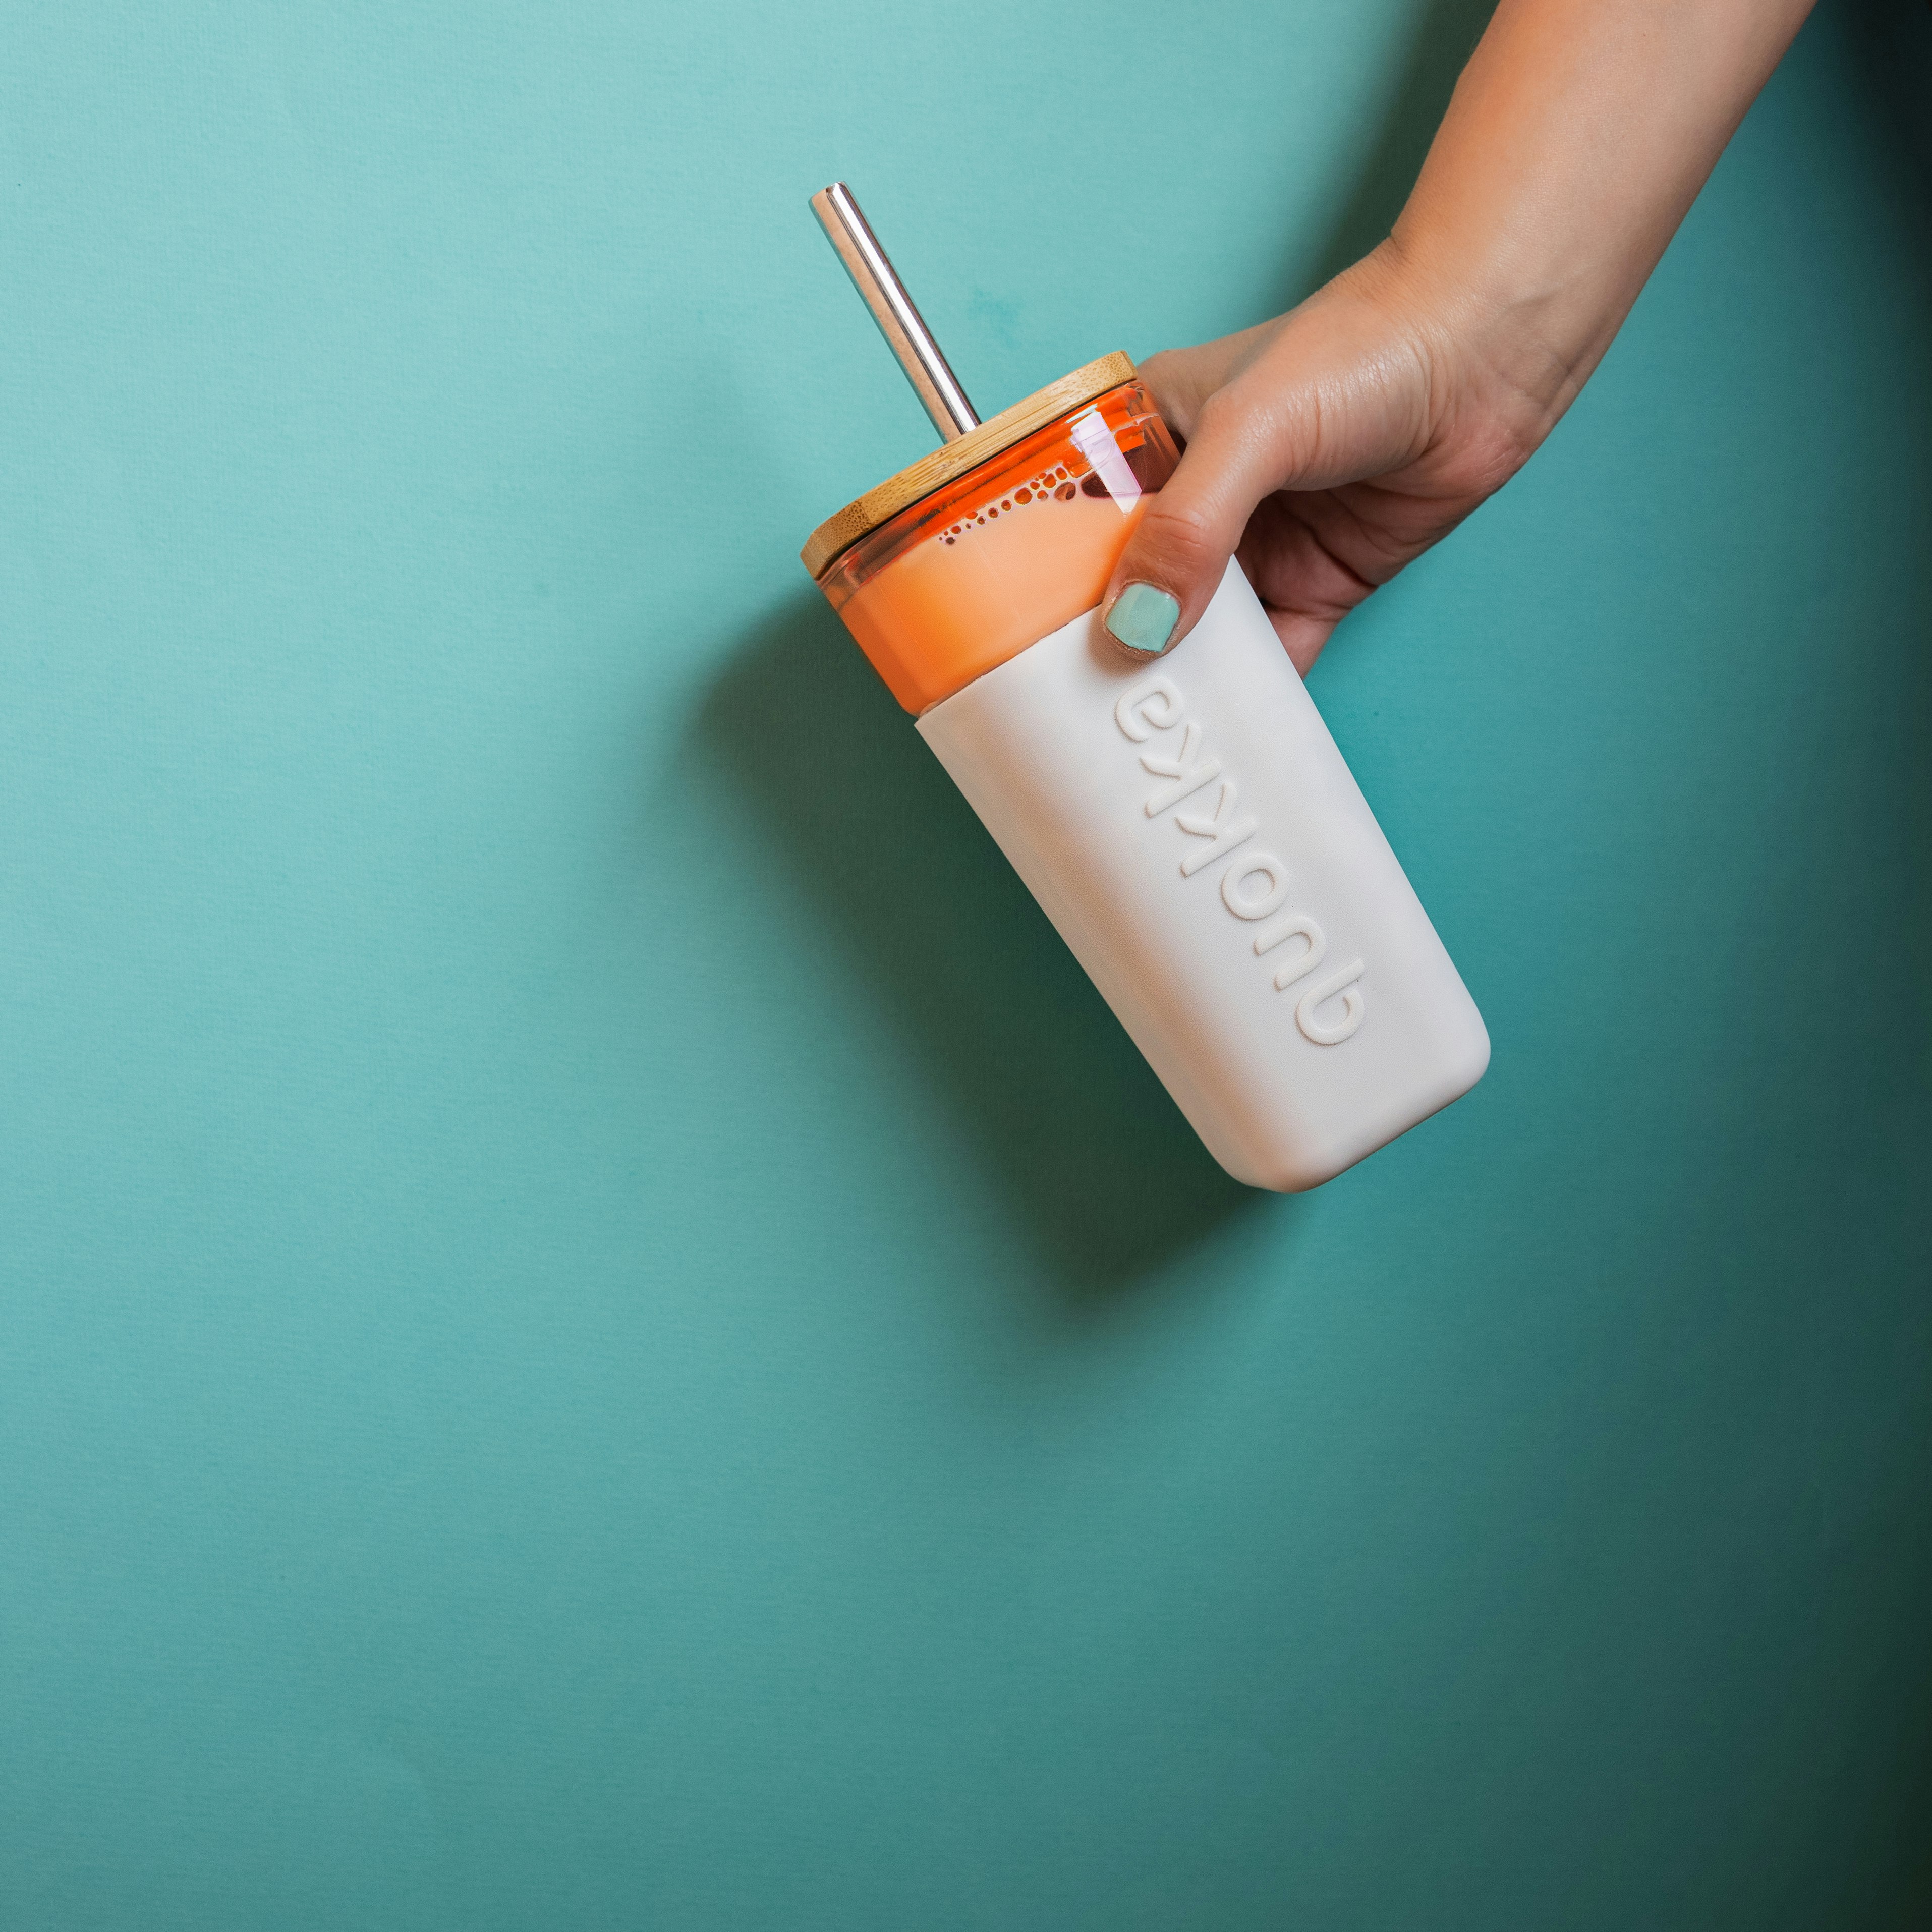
<point x="1193" y="832"/>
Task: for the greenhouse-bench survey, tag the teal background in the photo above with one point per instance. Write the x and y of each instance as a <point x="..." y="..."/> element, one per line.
<point x="598" y="1328"/>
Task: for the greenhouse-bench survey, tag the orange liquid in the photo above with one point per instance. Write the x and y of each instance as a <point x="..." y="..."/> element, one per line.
<point x="1004" y="555"/>
<point x="950" y="608"/>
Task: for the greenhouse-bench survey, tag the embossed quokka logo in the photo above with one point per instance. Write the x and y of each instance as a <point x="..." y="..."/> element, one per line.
<point x="1255" y="883"/>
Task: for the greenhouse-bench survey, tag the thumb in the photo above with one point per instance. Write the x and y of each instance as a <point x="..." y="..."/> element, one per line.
<point x="1173" y="562"/>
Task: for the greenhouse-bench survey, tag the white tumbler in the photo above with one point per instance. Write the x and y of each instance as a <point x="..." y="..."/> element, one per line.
<point x="1187" y="823"/>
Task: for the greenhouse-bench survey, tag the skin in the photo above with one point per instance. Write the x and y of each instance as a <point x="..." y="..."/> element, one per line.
<point x="1329" y="447"/>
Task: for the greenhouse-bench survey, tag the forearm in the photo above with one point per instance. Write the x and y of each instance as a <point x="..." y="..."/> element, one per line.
<point x="1578" y="135"/>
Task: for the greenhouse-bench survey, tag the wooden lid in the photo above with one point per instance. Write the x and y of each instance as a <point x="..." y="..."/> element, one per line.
<point x="839" y="532"/>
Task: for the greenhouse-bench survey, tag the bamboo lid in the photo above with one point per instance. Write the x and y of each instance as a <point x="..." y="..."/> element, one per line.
<point x="880" y="504"/>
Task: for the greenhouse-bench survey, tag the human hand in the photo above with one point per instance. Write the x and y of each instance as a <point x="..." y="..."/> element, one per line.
<point x="1330" y="447"/>
<point x="1325" y="449"/>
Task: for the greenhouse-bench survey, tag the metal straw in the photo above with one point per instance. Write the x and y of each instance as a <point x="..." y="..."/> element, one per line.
<point x="884" y="294"/>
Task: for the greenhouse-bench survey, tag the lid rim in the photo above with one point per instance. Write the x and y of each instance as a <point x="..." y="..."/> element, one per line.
<point x="864" y="515"/>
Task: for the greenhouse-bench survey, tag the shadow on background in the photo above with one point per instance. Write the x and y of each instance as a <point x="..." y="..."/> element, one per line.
<point x="1445" y="38"/>
<point x="1892" y="41"/>
<point x="1064" y="1110"/>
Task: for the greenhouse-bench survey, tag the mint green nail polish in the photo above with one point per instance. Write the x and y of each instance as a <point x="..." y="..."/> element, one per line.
<point x="1143" y="618"/>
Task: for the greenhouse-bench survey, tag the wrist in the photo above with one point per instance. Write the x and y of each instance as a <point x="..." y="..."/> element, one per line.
<point x="1508" y="343"/>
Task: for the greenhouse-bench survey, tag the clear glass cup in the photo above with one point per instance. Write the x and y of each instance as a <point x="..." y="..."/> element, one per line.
<point x="1022" y="543"/>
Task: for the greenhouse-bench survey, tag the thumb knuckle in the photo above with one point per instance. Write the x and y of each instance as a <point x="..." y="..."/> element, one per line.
<point x="1175" y="541"/>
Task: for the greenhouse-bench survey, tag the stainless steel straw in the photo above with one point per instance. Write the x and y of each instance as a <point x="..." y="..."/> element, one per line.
<point x="884" y="294"/>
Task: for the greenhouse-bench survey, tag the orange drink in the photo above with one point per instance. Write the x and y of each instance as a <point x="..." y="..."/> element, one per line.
<point x="971" y="573"/>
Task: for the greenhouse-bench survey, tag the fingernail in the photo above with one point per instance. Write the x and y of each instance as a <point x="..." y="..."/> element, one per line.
<point x="1143" y="619"/>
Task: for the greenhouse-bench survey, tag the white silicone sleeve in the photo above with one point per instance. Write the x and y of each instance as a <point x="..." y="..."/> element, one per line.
<point x="1191" y="829"/>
